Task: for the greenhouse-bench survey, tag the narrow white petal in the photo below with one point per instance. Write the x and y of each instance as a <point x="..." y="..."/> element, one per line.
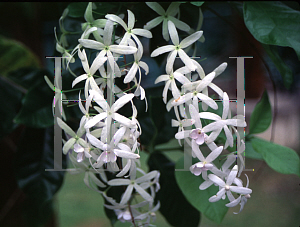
<point x="214" y="154"/>
<point x="67" y="146"/>
<point x="121" y="102"/>
<point x="96" y="119"/>
<point x="190" y="39"/>
<point x="65" y="127"/>
<point x="186" y="60"/>
<point x="197" y="151"/>
<point x="216" y="180"/>
<point x="123" y="120"/>
<point x="119" y="49"/>
<point x="142" y="32"/>
<point x="241" y="190"/>
<point x="144" y="66"/>
<point x="147" y="177"/>
<point x="179" y="24"/>
<point x="232" y="175"/>
<point x="165" y="91"/>
<point x="173" y="33"/>
<point x="162" y="50"/>
<point x="170" y="61"/>
<point x="195" y="116"/>
<point x="94" y="141"/>
<point x="156" y="7"/>
<point x="205" y="185"/>
<point x="217" y="197"/>
<point x="92" y="44"/>
<point x="97" y="63"/>
<point x="118" y="182"/>
<point x="117" y="19"/>
<point x="207" y="100"/>
<point x="225" y="105"/>
<point x="153" y="23"/>
<point x="78" y="79"/>
<point x="143" y="193"/>
<point x="126" y="154"/>
<point x="131" y="74"/>
<point x="210" y="116"/>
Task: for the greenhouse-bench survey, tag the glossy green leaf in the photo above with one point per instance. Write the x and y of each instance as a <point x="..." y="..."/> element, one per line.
<point x="279" y="158"/>
<point x="36" y="110"/>
<point x="284" y="70"/>
<point x="261" y="116"/>
<point x="189" y="185"/>
<point x="10" y="99"/>
<point x="35" y="153"/>
<point x="272" y="22"/>
<point x="14" y="55"/>
<point x="197" y="3"/>
<point x="251" y="153"/>
<point x="173" y="205"/>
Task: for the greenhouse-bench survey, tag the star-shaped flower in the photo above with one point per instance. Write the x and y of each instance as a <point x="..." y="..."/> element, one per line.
<point x="227" y="187"/>
<point x="177" y="48"/>
<point x="164" y="17"/>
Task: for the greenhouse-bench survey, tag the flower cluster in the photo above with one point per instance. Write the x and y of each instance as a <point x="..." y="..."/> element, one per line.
<point x="106" y="145"/>
<point x="193" y="90"/>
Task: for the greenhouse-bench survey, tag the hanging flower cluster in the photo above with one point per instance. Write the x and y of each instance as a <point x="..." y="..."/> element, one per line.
<point x="106" y="140"/>
<point x="106" y="144"/>
<point x="194" y="85"/>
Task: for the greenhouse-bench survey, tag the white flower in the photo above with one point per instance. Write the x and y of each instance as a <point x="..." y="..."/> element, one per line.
<point x="81" y="152"/>
<point x="177" y="48"/>
<point x="89" y="71"/>
<point x="75" y="138"/>
<point x="200" y="133"/>
<point x="110" y="112"/>
<point x="242" y="199"/>
<point x="170" y="81"/>
<point x="206" y="163"/>
<point x="164" y="17"/>
<point x="110" y="152"/>
<point x="196" y="93"/>
<point x="134" y="184"/>
<point x="130" y="31"/>
<point x="106" y="47"/>
<point x="227" y="187"/>
<point x="222" y="122"/>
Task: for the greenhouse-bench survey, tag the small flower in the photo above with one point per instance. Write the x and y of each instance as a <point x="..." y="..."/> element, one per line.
<point x="223" y="123"/>
<point x="134" y="184"/>
<point x="177" y="48"/>
<point x="206" y="163"/>
<point x="164" y="17"/>
<point x="89" y="71"/>
<point x="227" y="187"/>
<point x="130" y="31"/>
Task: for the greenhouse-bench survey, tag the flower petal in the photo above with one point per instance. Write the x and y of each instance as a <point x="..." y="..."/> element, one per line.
<point x="173" y="33"/>
<point x="214" y="154"/>
<point x="143" y="193"/>
<point x="190" y="39"/>
<point x="216" y="180"/>
<point x="119" y="49"/>
<point x="162" y="50"/>
<point x="92" y="44"/>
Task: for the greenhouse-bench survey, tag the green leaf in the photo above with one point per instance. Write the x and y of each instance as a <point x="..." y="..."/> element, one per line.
<point x="284" y="70"/>
<point x="279" y="158"/>
<point x="77" y="9"/>
<point x="36" y="110"/>
<point x="35" y="153"/>
<point x="189" y="185"/>
<point x="14" y="55"/>
<point x="261" y="116"/>
<point x="10" y="100"/>
<point x="251" y="153"/>
<point x="178" y="212"/>
<point x="197" y="3"/>
<point x="272" y="22"/>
